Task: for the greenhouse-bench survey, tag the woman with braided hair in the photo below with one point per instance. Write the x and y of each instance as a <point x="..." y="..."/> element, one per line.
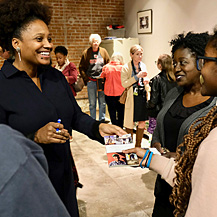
<point x="192" y="174"/>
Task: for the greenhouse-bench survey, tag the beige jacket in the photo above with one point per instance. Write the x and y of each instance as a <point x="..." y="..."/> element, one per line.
<point x="127" y="81"/>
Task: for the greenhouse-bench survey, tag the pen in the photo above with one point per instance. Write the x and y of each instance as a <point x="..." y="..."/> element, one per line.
<point x="58" y="121"/>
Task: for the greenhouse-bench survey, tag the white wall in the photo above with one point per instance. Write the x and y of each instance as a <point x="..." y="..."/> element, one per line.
<point x="170" y="17"/>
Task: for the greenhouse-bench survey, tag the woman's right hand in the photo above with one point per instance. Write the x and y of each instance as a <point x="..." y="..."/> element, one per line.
<point x="48" y="134"/>
<point x="142" y="74"/>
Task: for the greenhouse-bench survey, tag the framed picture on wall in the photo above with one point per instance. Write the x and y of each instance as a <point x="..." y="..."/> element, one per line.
<point x="144" y="22"/>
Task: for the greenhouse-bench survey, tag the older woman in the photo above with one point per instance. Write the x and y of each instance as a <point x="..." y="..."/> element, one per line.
<point x="90" y="67"/>
<point x="113" y="88"/>
<point x="34" y="95"/>
<point x="132" y="77"/>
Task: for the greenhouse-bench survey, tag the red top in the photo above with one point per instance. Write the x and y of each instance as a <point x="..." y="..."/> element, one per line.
<point x="71" y="72"/>
<point x="112" y="74"/>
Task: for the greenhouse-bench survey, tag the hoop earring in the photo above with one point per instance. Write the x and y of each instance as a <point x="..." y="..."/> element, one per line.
<point x="18" y="51"/>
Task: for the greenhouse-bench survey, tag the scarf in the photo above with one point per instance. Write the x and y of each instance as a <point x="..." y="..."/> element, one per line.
<point x="63" y="67"/>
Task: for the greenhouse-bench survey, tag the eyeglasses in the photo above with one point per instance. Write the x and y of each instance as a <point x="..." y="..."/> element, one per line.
<point x="201" y="60"/>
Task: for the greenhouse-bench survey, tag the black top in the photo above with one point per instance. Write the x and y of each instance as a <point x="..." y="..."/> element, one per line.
<point x="25" y="108"/>
<point x="174" y="118"/>
<point x="160" y="86"/>
<point x="96" y="63"/>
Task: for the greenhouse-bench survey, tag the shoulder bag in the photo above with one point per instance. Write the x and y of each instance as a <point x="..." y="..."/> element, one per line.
<point x="123" y="96"/>
<point x="79" y="84"/>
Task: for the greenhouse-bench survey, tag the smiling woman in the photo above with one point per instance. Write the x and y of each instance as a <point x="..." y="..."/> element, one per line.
<point x="33" y="49"/>
<point x="183" y="105"/>
<point x="34" y="95"/>
<point x="193" y="173"/>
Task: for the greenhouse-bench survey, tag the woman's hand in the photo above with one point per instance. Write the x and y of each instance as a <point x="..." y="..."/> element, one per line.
<point x="109" y="129"/>
<point x="142" y="74"/>
<point x="139" y="152"/>
<point x="48" y="134"/>
<point x="146" y="83"/>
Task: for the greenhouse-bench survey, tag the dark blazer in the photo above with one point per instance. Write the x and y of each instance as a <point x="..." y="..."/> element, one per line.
<point x="160" y="86"/>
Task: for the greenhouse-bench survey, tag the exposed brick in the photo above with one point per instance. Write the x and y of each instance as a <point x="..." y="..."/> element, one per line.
<point x="74" y="20"/>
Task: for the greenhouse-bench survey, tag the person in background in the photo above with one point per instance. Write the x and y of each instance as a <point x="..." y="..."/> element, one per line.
<point x="36" y="99"/>
<point x="67" y="68"/>
<point x="24" y="184"/>
<point x="160" y="86"/>
<point x="113" y="88"/>
<point x="192" y="174"/>
<point x="70" y="72"/>
<point x="133" y="76"/>
<point x="90" y="67"/>
<point x="182" y="106"/>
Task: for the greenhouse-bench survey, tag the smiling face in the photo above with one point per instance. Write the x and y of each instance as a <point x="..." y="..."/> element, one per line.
<point x="186" y="72"/>
<point x="61" y="58"/>
<point x="35" y="44"/>
<point x="209" y="73"/>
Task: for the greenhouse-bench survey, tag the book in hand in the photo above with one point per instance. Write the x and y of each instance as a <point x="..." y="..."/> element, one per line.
<point x="114" y="147"/>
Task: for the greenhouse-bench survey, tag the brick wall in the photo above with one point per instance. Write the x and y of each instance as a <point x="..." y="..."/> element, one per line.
<point x="74" y="20"/>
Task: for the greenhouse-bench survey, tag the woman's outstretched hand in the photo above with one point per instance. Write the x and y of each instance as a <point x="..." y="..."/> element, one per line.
<point x="48" y="134"/>
<point x="109" y="129"/>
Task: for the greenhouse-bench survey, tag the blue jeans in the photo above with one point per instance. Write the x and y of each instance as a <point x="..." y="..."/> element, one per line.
<point x="92" y="96"/>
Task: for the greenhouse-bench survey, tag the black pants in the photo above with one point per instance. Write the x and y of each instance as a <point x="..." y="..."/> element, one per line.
<point x="115" y="109"/>
<point x="162" y="206"/>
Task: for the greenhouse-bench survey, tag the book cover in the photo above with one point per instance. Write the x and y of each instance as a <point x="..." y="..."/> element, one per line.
<point x="114" y="147"/>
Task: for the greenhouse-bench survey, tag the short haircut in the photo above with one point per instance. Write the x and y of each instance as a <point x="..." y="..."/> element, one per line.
<point x="61" y="49"/>
<point x="94" y="36"/>
<point x="117" y="57"/>
<point x="196" y="42"/>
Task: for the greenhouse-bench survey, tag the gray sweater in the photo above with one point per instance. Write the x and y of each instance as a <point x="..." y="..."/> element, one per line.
<point x="173" y="94"/>
<point x="25" y="189"/>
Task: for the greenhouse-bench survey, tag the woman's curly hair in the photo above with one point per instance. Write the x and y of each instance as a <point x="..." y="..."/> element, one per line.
<point x="198" y="131"/>
<point x="213" y="39"/>
<point x="15" y="15"/>
<point x="196" y="42"/>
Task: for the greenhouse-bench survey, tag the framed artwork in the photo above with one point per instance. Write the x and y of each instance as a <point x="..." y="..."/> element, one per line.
<point x="144" y="22"/>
